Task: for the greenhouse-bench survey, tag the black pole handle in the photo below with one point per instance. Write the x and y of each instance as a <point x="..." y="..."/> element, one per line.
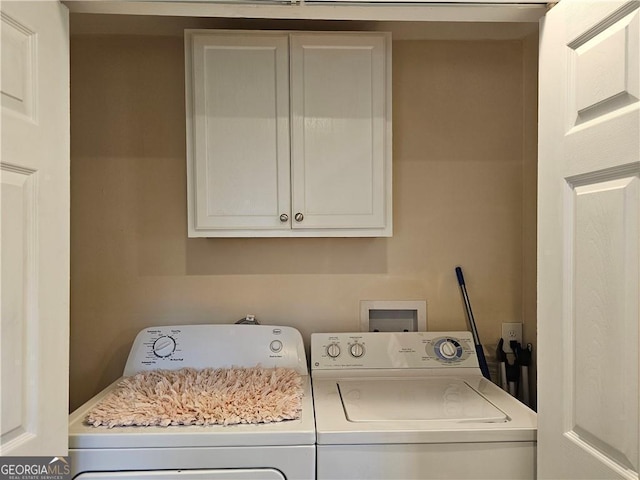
<point x="460" y="276"/>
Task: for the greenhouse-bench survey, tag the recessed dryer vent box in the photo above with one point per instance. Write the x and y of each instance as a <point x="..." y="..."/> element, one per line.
<point x="393" y="316"/>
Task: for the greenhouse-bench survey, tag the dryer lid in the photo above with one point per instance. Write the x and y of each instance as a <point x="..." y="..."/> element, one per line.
<point x="415" y="399"/>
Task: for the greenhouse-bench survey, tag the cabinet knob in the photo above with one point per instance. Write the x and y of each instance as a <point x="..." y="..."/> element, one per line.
<point x="299" y="217"/>
<point x="284" y="217"/>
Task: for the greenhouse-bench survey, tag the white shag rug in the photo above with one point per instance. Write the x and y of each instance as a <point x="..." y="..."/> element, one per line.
<point x="223" y="396"/>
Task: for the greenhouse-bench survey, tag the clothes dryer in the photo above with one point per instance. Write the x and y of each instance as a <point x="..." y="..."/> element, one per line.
<point x="266" y="451"/>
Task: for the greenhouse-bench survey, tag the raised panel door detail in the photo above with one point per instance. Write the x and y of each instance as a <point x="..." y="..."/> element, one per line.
<point x="18" y="55"/>
<point x="337" y="131"/>
<point x="339" y="149"/>
<point x="605" y="69"/>
<point x="240" y="102"/>
<point x="19" y="288"/>
<point x="605" y="319"/>
<point x="240" y="132"/>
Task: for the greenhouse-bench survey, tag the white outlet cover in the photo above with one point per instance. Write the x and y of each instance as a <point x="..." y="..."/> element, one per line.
<point x="511" y="331"/>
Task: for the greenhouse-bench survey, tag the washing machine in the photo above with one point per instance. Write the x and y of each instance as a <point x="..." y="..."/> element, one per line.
<point x="282" y="450"/>
<point x="414" y="405"/>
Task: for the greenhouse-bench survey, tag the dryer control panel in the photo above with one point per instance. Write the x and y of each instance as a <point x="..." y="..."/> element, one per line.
<point x="389" y="350"/>
<point x="216" y="346"/>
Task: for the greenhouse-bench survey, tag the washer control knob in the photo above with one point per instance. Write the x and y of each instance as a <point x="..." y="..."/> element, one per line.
<point x="356" y="350"/>
<point x="164" y="346"/>
<point x="275" y="346"/>
<point x="448" y="349"/>
<point x="333" y="350"/>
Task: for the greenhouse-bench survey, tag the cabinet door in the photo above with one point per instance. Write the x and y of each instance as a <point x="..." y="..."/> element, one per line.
<point x="237" y="131"/>
<point x="341" y="138"/>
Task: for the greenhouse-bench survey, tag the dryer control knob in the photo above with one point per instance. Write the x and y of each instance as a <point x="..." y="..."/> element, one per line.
<point x="164" y="346"/>
<point x="333" y="350"/>
<point x="448" y="349"/>
<point x="356" y="350"/>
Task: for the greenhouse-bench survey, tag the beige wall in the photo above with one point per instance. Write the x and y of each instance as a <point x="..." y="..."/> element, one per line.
<point x="460" y="182"/>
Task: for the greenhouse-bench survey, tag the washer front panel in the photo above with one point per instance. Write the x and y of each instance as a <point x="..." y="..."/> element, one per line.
<point x="428" y="461"/>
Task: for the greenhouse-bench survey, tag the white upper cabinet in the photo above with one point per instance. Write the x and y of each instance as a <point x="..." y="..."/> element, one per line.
<point x="288" y="134"/>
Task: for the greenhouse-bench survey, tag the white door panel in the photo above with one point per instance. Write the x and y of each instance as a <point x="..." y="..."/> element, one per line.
<point x="34" y="171"/>
<point x="589" y="241"/>
<point x="604" y="334"/>
<point x="18" y="200"/>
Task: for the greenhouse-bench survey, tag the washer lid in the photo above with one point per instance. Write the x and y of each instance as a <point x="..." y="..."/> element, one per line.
<point x="403" y="399"/>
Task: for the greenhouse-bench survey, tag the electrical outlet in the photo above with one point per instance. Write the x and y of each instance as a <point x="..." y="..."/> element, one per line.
<point x="511" y="331"/>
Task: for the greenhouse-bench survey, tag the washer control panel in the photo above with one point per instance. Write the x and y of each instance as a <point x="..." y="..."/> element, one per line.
<point x="333" y="351"/>
<point x="216" y="346"/>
